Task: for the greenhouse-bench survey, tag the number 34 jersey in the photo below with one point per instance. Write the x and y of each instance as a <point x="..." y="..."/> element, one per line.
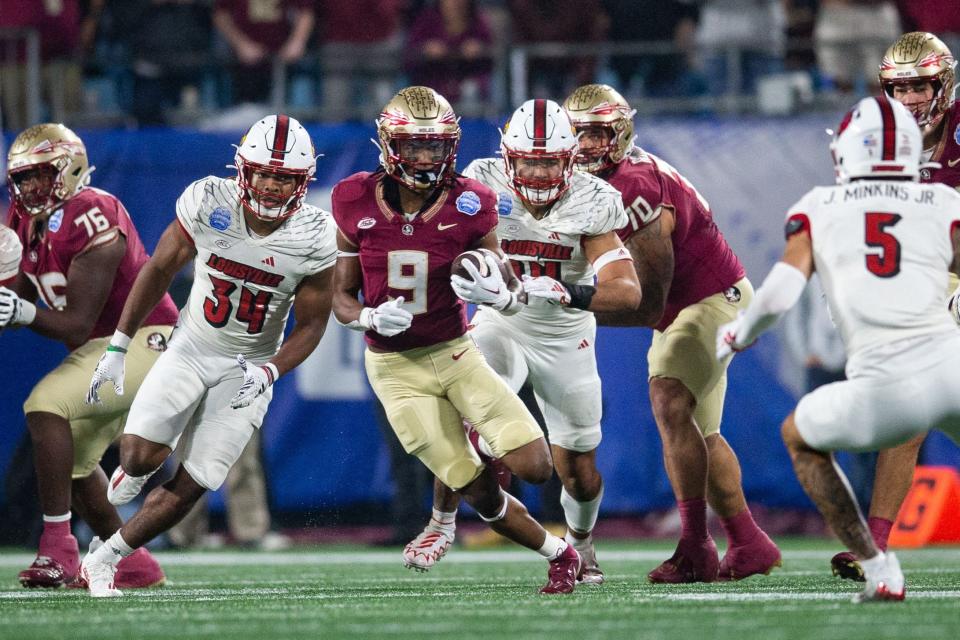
<point x="882" y="249"/>
<point x="243" y="284"/>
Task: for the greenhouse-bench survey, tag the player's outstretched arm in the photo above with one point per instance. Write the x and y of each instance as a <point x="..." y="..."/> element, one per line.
<point x="173" y="251"/>
<point x="652" y="251"/>
<point x="780" y="290"/>
<point x="89" y="281"/>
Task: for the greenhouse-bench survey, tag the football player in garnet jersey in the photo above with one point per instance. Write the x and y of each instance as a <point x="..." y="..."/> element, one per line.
<point x="81" y="255"/>
<point x="692" y="282"/>
<point x="558" y="228"/>
<point x="258" y="251"/>
<point x="400" y="228"/>
<point x="918" y="71"/>
<point x="883" y="245"/>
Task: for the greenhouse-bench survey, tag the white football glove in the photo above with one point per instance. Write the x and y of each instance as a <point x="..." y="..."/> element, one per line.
<point x="490" y="290"/>
<point x="11" y="252"/>
<point x="14" y="310"/>
<point x="388" y="319"/>
<point x="727" y="343"/>
<point x="547" y="289"/>
<point x="256" y="380"/>
<point x="110" y="367"/>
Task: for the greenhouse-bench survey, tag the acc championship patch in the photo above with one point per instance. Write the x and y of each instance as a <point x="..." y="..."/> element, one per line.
<point x="220" y="219"/>
<point x="469" y="203"/>
<point x="53" y="224"/>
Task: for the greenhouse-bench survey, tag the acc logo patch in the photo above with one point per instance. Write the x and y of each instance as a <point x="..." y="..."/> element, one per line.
<point x="504" y="203"/>
<point x="53" y="225"/>
<point x="469" y="203"/>
<point x="366" y="223"/>
<point x="220" y="219"/>
<point x="157" y="342"/>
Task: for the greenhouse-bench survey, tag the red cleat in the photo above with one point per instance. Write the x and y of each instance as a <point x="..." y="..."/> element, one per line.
<point x="693" y="561"/>
<point x="504" y="475"/>
<point x="845" y="565"/>
<point x="759" y="556"/>
<point x="563" y="573"/>
<point x="57" y="563"/>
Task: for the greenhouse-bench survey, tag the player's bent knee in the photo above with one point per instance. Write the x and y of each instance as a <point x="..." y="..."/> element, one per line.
<point x="459" y="474"/>
<point x="139" y="456"/>
<point x="791" y="436"/>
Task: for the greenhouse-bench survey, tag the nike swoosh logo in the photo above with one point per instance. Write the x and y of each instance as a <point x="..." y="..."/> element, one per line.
<point x="444" y="227"/>
<point x="457" y="356"/>
<point x="953" y="163"/>
<point x="495" y="292"/>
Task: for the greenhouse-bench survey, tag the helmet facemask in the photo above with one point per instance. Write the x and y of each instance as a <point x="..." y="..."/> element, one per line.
<point x="277" y="145"/>
<point x="601" y="106"/>
<point x="52" y="155"/>
<point x="418" y="135"/>
<point x="918" y="57"/>
<point x="536" y="191"/>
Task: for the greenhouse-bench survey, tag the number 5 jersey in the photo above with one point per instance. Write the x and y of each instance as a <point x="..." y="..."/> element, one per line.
<point x="244" y="284"/>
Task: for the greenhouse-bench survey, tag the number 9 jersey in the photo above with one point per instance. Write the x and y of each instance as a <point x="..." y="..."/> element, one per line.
<point x="244" y="284"/>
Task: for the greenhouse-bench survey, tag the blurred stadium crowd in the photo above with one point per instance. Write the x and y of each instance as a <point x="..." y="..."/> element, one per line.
<point x="146" y="62"/>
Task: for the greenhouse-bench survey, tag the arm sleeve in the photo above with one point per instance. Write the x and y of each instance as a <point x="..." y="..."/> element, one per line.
<point x="779" y="292"/>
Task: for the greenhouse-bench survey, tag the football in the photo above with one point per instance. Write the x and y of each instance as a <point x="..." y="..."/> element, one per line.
<point x="457" y="268"/>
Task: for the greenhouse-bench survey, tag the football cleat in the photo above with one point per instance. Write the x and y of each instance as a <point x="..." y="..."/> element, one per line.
<point x="56" y="563"/>
<point x="590" y="572"/>
<point x="426" y="549"/>
<point x="99" y="576"/>
<point x="140" y="570"/>
<point x="564" y="572"/>
<point x="887" y="586"/>
<point x="693" y="561"/>
<point x="844" y="565"/>
<point x="45" y="573"/>
<point x="123" y="488"/>
<point x="759" y="556"/>
<point x="504" y="475"/>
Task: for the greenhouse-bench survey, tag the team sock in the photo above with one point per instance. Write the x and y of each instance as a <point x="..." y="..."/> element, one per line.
<point x="880" y="530"/>
<point x="693" y="519"/>
<point x="741" y="529"/>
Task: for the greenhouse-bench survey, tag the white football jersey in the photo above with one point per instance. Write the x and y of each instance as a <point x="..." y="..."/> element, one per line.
<point x="243" y="285"/>
<point x="883" y="250"/>
<point x="552" y="245"/>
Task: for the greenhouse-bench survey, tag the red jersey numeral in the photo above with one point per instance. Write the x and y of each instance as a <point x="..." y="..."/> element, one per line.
<point x="550" y="268"/>
<point x="886" y="262"/>
<point x="252" y="308"/>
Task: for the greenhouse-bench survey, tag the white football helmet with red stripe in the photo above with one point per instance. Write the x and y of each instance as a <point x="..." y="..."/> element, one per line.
<point x="276" y="144"/>
<point x="539" y="130"/>
<point x="878" y="138"/>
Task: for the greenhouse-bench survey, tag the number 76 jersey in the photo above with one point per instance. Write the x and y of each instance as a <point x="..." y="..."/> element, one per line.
<point x="883" y="250"/>
<point x="243" y="285"/>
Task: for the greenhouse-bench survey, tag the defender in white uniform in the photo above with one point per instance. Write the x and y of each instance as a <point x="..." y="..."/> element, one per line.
<point x="883" y="245"/>
<point x="557" y="227"/>
<point x="257" y="251"/>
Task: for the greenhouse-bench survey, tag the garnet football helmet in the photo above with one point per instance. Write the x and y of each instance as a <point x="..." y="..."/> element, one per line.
<point x="418" y="135"/>
<point x="601" y="106"/>
<point x="878" y="138"/>
<point x="921" y="56"/>
<point x="51" y="148"/>
<point x="539" y="130"/>
<point x="280" y="145"/>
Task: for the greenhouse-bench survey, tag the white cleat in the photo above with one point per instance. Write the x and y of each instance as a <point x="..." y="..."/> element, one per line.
<point x="887" y="585"/>
<point x="123" y="488"/>
<point x="590" y="572"/>
<point x="98" y="574"/>
<point x="426" y="549"/>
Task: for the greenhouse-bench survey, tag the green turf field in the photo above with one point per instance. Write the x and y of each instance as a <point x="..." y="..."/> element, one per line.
<point x="337" y="592"/>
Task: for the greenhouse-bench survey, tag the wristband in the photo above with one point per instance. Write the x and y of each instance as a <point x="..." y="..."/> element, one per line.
<point x="27" y="313"/>
<point x="120" y="342"/>
<point x="272" y="372"/>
